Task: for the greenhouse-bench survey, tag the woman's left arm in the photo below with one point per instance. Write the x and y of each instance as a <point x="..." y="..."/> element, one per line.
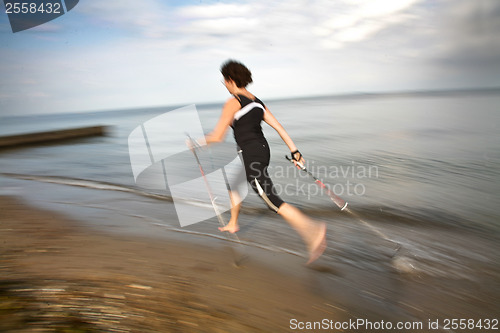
<point x="228" y="111"/>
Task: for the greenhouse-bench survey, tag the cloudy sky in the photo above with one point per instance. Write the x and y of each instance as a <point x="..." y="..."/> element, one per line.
<point x="124" y="54"/>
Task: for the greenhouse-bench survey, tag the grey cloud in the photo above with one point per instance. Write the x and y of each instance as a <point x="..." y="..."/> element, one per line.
<point x="472" y="33"/>
<point x="470" y="46"/>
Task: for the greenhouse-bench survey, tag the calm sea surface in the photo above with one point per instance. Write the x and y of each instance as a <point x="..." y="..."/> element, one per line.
<point x="426" y="160"/>
<point x="425" y="154"/>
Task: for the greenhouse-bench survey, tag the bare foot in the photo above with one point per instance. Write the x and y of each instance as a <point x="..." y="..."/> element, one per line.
<point x="231" y="228"/>
<point x="318" y="246"/>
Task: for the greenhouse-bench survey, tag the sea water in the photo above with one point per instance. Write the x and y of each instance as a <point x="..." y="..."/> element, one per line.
<point x="400" y="160"/>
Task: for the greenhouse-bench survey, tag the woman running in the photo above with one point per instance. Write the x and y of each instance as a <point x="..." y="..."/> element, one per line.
<point x="244" y="113"/>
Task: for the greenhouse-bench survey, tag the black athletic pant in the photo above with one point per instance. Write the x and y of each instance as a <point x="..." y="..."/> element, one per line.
<point x="256" y="156"/>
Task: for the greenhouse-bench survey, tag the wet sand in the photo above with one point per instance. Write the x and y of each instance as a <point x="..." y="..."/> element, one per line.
<point x="57" y="275"/>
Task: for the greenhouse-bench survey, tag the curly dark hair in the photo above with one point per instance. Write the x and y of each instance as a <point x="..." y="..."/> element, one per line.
<point x="236" y="71"/>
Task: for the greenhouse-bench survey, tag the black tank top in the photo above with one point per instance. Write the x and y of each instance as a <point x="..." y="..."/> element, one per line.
<point x="246" y="122"/>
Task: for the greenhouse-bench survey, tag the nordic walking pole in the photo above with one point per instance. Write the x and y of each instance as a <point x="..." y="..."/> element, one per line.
<point x="342" y="204"/>
<point x="335" y="198"/>
<point x="232" y="237"/>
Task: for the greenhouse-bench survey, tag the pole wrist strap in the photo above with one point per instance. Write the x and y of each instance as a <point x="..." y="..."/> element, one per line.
<point x="293" y="155"/>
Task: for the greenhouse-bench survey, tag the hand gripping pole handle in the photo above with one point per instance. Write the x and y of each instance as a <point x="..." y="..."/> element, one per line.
<point x="341" y="203"/>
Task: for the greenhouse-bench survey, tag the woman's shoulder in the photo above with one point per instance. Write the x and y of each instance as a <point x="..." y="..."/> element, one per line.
<point x="259" y="101"/>
<point x="244" y="99"/>
<point x="232" y="103"/>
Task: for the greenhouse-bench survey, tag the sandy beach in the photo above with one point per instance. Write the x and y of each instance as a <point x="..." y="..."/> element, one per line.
<point x="57" y="276"/>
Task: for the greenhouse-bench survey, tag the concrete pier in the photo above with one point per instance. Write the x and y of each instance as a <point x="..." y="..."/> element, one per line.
<point x="51" y="136"/>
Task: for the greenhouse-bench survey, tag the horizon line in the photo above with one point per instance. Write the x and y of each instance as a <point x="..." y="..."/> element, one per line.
<point x="368" y="94"/>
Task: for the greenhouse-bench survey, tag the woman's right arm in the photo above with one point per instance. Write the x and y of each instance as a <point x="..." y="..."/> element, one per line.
<point x="274" y="123"/>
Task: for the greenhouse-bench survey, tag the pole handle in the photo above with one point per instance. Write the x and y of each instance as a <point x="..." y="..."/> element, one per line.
<point x="297" y="163"/>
